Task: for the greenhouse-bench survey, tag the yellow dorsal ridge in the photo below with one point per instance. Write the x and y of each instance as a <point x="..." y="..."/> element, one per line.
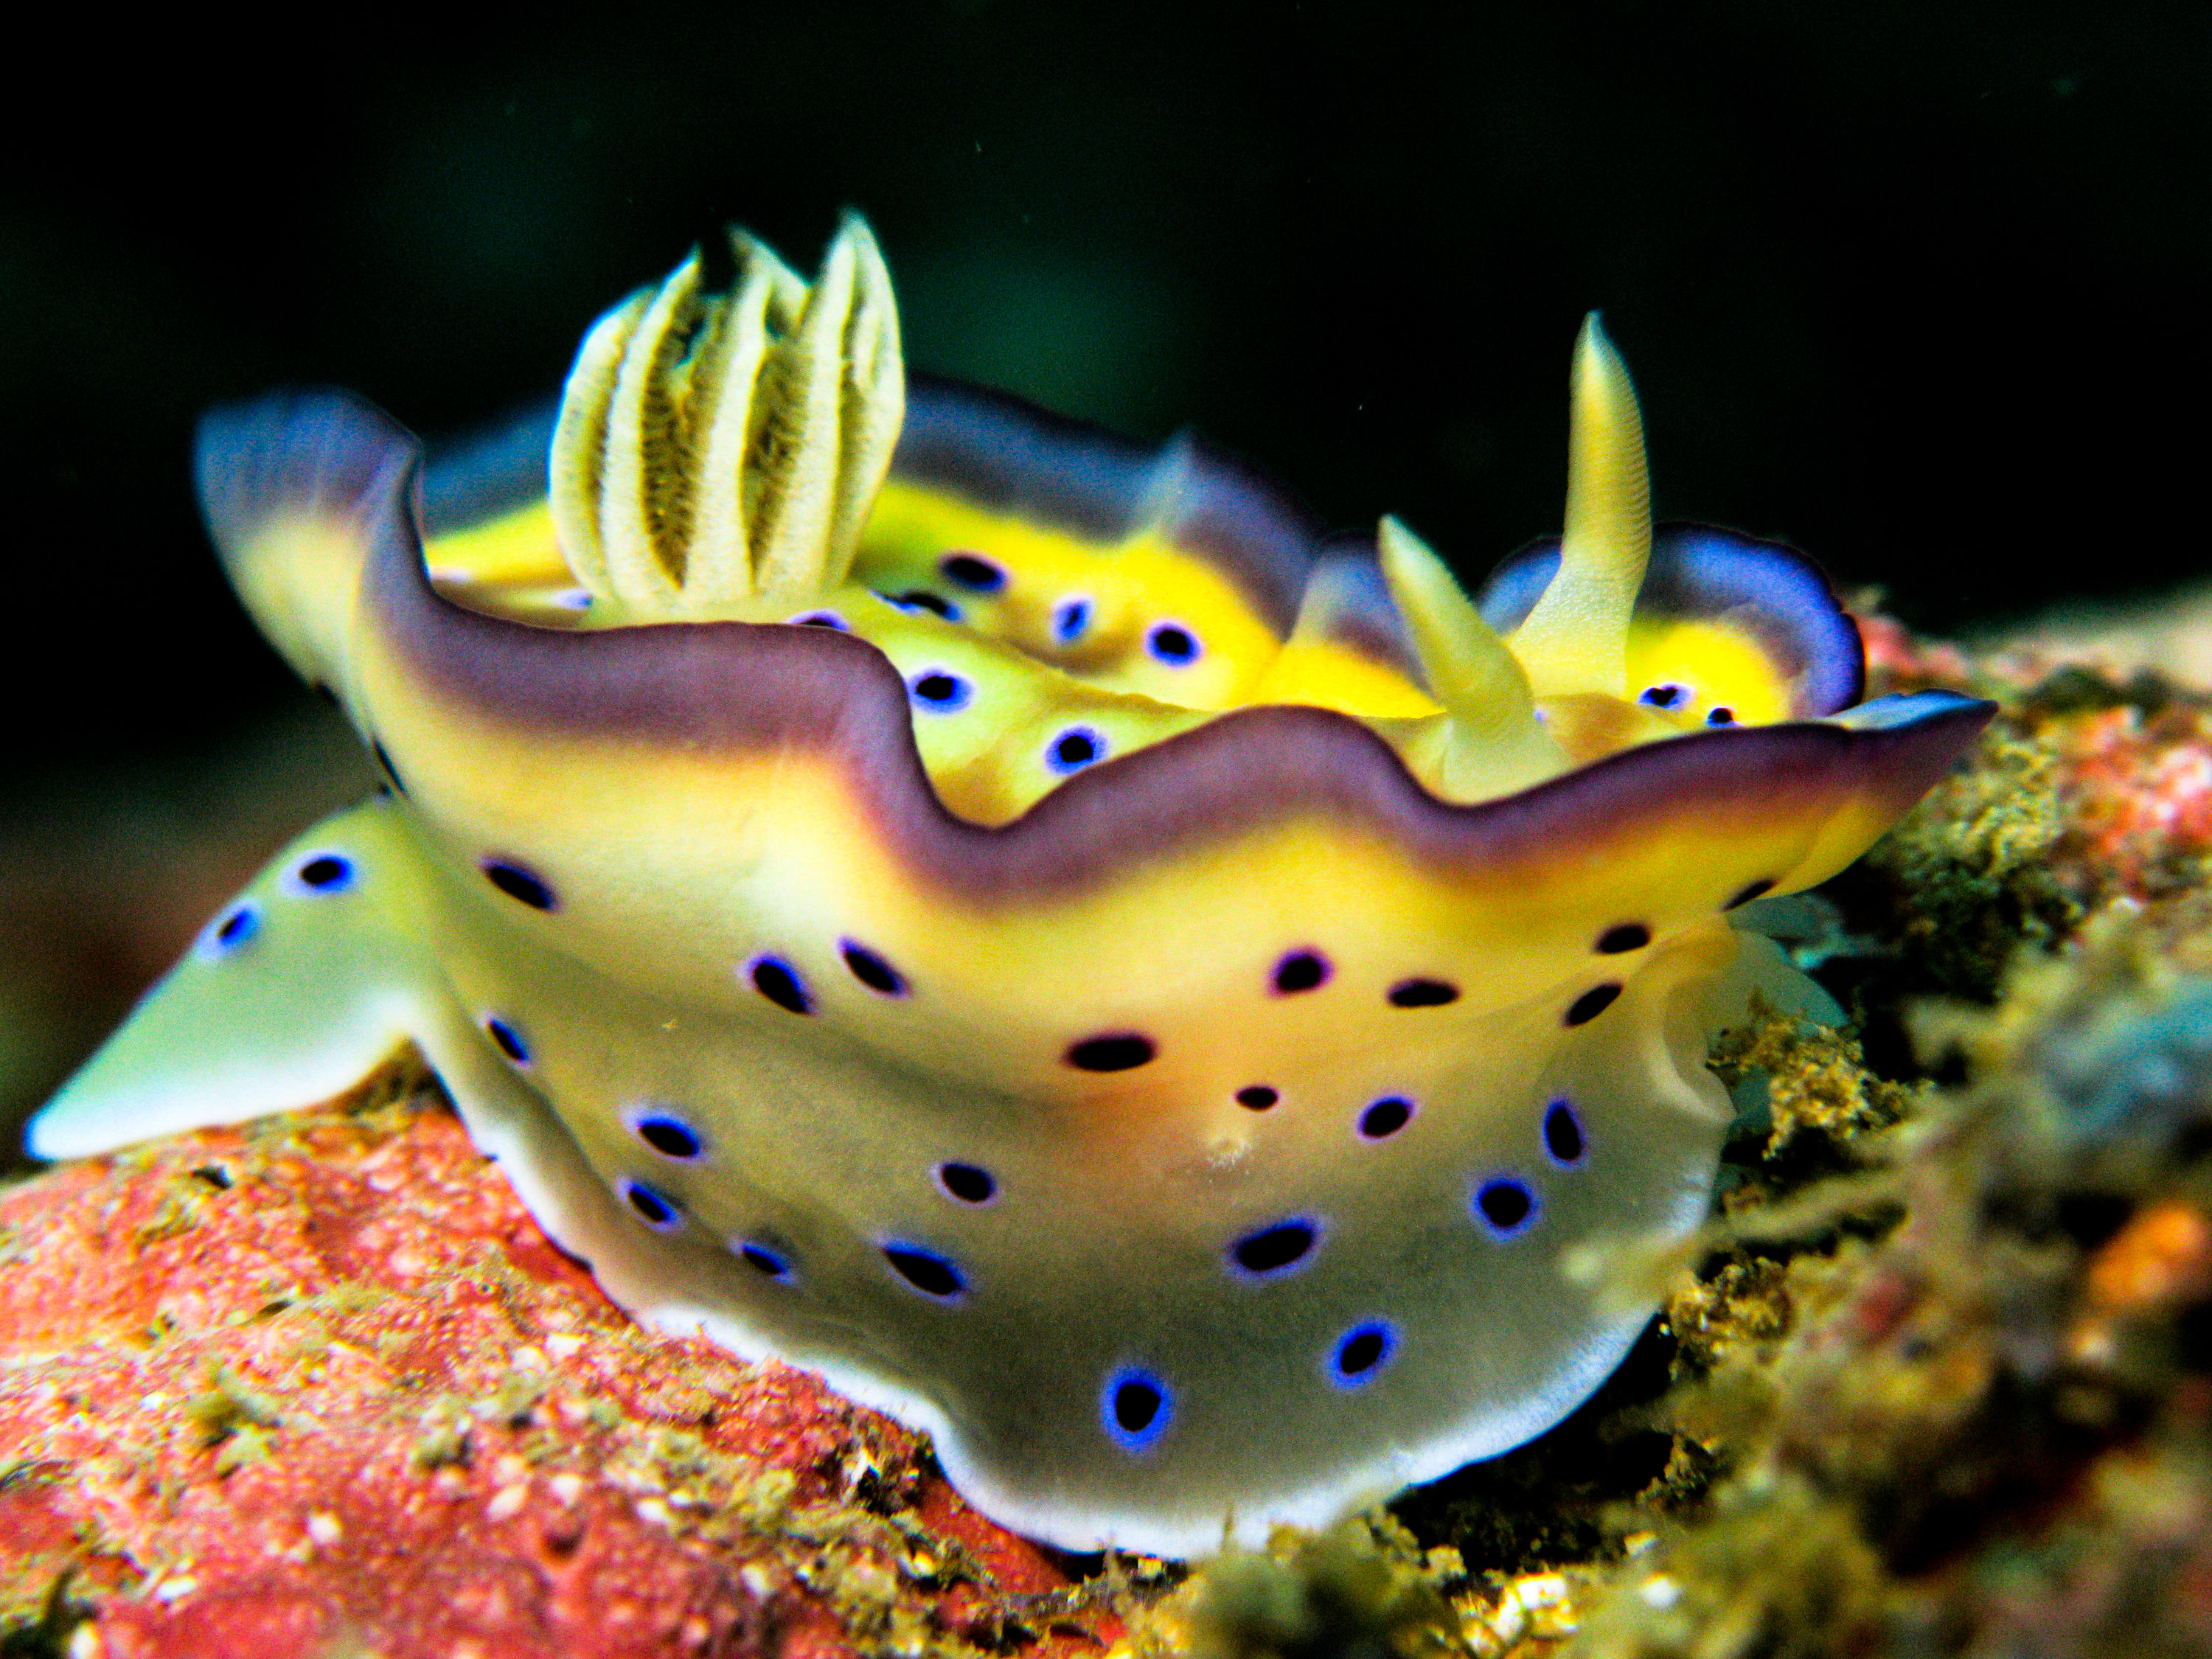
<point x="716" y="448"/>
<point x="1492" y="730"/>
<point x="1575" y="639"/>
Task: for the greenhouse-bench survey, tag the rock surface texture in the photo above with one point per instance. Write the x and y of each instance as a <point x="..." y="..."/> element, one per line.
<point x="319" y="1386"/>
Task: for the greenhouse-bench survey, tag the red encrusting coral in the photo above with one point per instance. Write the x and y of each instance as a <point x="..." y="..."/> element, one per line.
<point x="1898" y="659"/>
<point x="2130" y="753"/>
<point x="2137" y="790"/>
<point x="318" y="1383"/>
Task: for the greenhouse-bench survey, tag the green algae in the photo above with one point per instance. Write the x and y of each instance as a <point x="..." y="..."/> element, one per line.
<point x="236" y="1421"/>
<point x="45" y="1625"/>
<point x="1361" y="1590"/>
<point x="1967" y="876"/>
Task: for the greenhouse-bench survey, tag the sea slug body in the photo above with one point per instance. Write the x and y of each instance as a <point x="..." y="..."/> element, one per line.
<point x="1012" y="921"/>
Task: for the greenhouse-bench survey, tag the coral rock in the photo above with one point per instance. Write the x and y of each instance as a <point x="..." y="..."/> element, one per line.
<point x="319" y="1385"/>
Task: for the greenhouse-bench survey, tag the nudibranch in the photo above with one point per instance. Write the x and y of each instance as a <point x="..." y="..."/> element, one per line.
<point x="1015" y="921"/>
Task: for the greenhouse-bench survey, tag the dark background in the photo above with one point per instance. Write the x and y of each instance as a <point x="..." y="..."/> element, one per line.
<point x="1918" y="285"/>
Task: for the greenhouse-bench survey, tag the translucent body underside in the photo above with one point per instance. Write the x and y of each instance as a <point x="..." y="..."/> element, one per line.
<point x="1057" y="1249"/>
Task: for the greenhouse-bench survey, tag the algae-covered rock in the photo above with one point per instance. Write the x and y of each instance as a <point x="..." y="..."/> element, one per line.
<point x="318" y="1385"/>
<point x="1969" y="871"/>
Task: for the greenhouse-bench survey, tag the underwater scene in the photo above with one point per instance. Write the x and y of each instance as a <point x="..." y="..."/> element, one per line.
<point x="989" y="829"/>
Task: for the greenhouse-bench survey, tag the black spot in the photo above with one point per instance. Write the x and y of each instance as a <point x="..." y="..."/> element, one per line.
<point x="1171" y="644"/>
<point x="1362" y="1349"/>
<point x="1271" y="1249"/>
<point x="977" y="575"/>
<point x="872" y="971"/>
<point x="384" y="759"/>
<point x="968" y="1183"/>
<point x="1592" y="1003"/>
<point x="237" y="927"/>
<point x="921" y="598"/>
<point x="940" y="690"/>
<point x="1628" y="936"/>
<point x="508" y="1040"/>
<point x="775" y="979"/>
<point x="1258" y="1098"/>
<point x="1721" y="716"/>
<point x="1301" y="970"/>
<point x="761" y="1259"/>
<point x="1563" y="1136"/>
<point x="1385" y="1117"/>
<point x="326" y="872"/>
<point x="1423" y="994"/>
<point x="1136" y="1403"/>
<point x="1758" y="889"/>
<point x="1116" y="1051"/>
<point x="523" y="886"/>
<point x="655" y="1210"/>
<point x="215" y="1176"/>
<point x="669" y="1136"/>
<point x="1504" y="1204"/>
<point x="1073" y="750"/>
<point x="1662" y="696"/>
<point x="926" y="1271"/>
<point x="822" y="619"/>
